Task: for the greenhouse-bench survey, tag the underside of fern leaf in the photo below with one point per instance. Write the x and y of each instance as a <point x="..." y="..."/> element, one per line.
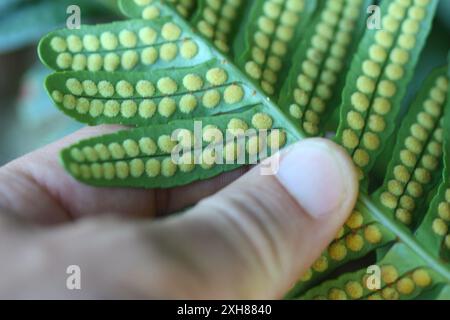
<point x="203" y="84"/>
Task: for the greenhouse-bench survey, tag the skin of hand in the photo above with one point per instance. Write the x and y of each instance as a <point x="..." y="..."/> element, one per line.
<point x="247" y="235"/>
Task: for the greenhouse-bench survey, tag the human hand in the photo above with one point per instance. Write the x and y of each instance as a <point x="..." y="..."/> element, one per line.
<point x="252" y="238"/>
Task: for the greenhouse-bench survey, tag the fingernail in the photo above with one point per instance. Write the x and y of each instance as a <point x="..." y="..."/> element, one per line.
<point x="314" y="174"/>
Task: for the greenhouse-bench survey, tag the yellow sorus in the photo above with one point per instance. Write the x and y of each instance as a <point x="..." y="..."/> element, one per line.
<point x="117" y="151"/>
<point x="186" y="162"/>
<point x="122" y="170"/>
<point x="128" y="39"/>
<point x="168" y="167"/>
<point x="147" y="146"/>
<point x="413" y="145"/>
<point x="90" y="154"/>
<point x="371" y="68"/>
<point x="447" y="195"/>
<point x="147" y="109"/>
<point x="74" y="86"/>
<point x="74" y="169"/>
<point x="237" y="126"/>
<point x="192" y="82"/>
<point x="106" y="89"/>
<point x="355" y="120"/>
<point x="425" y="120"/>
<point x="58" y="44"/>
<point x="276" y="139"/>
<point x="233" y="94"/>
<point x="145" y="88"/>
<point x="399" y="56"/>
<point x="102" y="151"/>
<point x="85" y="172"/>
<point x="377" y="53"/>
<point x="447" y="241"/>
<point x="167" y="85"/>
<point x="77" y="155"/>
<point x="124" y="89"/>
<point x="422" y="175"/>
<point x="212" y="134"/>
<point x="361" y="158"/>
<point x="295" y="111"/>
<point x="408" y="158"/>
<point x="112" y="108"/>
<point x="149" y="56"/>
<point x="166" y="144"/>
<point x="419" y="132"/>
<point x="131" y="148"/>
<point x="365" y="85"/>
<point x="69" y="102"/>
<point x="405" y="286"/>
<point x="137" y="168"/>
<point x="152" y="168"/>
<point x="337" y="294"/>
<point x="390" y="294"/>
<point x="253" y="70"/>
<point x="389" y="200"/>
<point x="395" y="187"/>
<point x="384" y="38"/>
<point x="189" y="49"/>
<point x="167" y="107"/>
<point x="57" y="96"/>
<point x="91" y="43"/>
<point x="170" y="31"/>
<point x="74" y="43"/>
<point x="337" y="251"/>
<point x="111" y="62"/>
<point x="429" y="162"/>
<point x="386" y="89"/>
<point x="350" y="139"/>
<point x="129" y="59"/>
<point x="150" y="13"/>
<point x="79" y="62"/>
<point x="389" y="274"/>
<point x="168" y="51"/>
<point x="371" y="141"/>
<point x="217" y="76"/>
<point x="421" y="278"/>
<point x="415" y="189"/>
<point x="128" y="108"/>
<point x="321" y="264"/>
<point x="109" y="40"/>
<point x="375" y="296"/>
<point x="354" y="289"/>
<point x="89" y="87"/>
<point x="354" y="242"/>
<point x="148" y="35"/>
<point x="355" y="220"/>
<point x="209" y="158"/>
<point x="262" y="121"/>
<point x="360" y="101"/>
<point x="407" y="41"/>
<point x="440" y="227"/>
<point x="211" y="99"/>
<point x="109" y="171"/>
<point x="377" y="123"/>
<point x="373" y="234"/>
<point x="95" y="62"/>
<point x="444" y="211"/>
<point x="432" y="107"/>
<point x="307" y="275"/>
<point x="394" y="71"/>
<point x="404" y="216"/>
<point x="188" y="103"/>
<point x="83" y="106"/>
<point x="64" y="60"/>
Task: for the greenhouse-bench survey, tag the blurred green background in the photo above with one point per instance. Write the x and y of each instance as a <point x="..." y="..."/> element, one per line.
<point x="29" y="120"/>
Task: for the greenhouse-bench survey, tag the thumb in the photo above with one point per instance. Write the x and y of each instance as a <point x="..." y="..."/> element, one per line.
<point x="256" y="237"/>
